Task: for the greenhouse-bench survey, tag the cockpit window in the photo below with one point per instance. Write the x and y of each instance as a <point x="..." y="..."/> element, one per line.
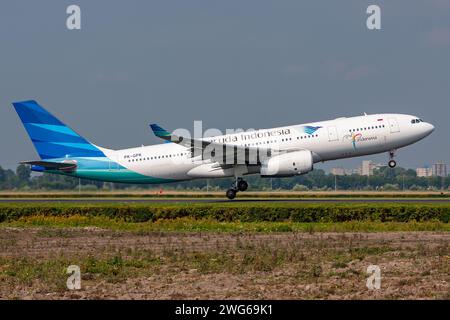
<point x="416" y="120"/>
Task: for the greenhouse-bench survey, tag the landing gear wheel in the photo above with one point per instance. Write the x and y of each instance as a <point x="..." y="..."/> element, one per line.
<point x="242" y="185"/>
<point x="392" y="163"/>
<point x="231" y="194"/>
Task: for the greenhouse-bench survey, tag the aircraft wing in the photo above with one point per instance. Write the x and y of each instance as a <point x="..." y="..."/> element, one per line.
<point x="218" y="152"/>
<point x="184" y="141"/>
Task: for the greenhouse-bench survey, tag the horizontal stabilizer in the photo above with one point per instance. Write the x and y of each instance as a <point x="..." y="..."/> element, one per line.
<point x="47" y="165"/>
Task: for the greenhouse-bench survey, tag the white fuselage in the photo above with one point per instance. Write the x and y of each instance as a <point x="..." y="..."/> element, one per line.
<point x="330" y="140"/>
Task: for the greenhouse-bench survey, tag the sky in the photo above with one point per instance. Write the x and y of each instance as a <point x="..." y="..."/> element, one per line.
<point x="231" y="64"/>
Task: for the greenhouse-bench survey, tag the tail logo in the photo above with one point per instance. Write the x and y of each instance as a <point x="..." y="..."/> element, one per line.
<point x="52" y="138"/>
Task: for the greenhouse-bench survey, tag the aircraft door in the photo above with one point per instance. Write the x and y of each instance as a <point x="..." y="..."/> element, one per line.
<point x="332" y="134"/>
<point x="113" y="164"/>
<point x="393" y="125"/>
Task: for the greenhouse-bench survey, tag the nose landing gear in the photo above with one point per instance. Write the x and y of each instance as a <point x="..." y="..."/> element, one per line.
<point x="239" y="185"/>
<point x="392" y="163"/>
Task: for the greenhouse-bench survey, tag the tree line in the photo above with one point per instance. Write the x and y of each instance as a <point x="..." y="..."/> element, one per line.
<point x="382" y="179"/>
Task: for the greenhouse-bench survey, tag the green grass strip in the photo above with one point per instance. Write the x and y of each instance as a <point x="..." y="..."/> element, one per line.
<point x="232" y="211"/>
<point x="188" y="224"/>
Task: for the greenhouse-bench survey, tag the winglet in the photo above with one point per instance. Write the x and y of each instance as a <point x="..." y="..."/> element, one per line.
<point x="160" y="132"/>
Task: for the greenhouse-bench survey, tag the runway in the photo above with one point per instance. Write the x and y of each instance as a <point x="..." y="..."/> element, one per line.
<point x="219" y="200"/>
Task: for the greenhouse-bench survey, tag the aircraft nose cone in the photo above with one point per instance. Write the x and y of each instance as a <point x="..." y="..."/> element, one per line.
<point x="429" y="128"/>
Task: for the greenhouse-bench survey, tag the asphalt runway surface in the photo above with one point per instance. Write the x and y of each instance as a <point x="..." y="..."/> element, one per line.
<point x="220" y="200"/>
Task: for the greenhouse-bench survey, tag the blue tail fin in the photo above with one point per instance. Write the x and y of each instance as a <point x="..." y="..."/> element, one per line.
<point x="52" y="138"/>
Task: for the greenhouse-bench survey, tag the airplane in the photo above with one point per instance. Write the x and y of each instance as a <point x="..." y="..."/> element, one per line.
<point x="275" y="152"/>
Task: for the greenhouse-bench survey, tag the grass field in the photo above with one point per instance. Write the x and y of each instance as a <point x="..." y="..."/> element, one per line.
<point x="224" y="250"/>
<point x="231" y="265"/>
<point x="189" y="224"/>
<point x="236" y="211"/>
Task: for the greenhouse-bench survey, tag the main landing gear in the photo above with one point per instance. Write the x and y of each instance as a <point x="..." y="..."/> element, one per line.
<point x="392" y="163"/>
<point x="239" y="185"/>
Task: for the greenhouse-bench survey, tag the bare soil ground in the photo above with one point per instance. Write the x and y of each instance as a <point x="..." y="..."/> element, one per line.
<point x="169" y="265"/>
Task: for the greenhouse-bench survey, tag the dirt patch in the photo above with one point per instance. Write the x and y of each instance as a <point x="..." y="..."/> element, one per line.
<point x="166" y="265"/>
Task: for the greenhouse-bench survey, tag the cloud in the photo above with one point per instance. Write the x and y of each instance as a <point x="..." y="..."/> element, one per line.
<point x="110" y="77"/>
<point x="346" y="71"/>
<point x="360" y="72"/>
<point x="441" y="4"/>
<point x="438" y="36"/>
<point x="333" y="70"/>
<point x="296" y="70"/>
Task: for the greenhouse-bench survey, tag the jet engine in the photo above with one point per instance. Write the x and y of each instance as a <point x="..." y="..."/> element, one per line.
<point x="288" y="164"/>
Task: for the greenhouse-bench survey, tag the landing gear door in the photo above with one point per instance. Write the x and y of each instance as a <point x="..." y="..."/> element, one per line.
<point x="332" y="134"/>
<point x="393" y="125"/>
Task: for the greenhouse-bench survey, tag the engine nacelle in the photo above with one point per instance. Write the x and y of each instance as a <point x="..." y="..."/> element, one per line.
<point x="288" y="164"/>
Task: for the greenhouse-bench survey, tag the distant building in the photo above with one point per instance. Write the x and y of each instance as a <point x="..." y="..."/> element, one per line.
<point x="368" y="167"/>
<point x="338" y="171"/>
<point x="424" y="172"/>
<point x="439" y="169"/>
